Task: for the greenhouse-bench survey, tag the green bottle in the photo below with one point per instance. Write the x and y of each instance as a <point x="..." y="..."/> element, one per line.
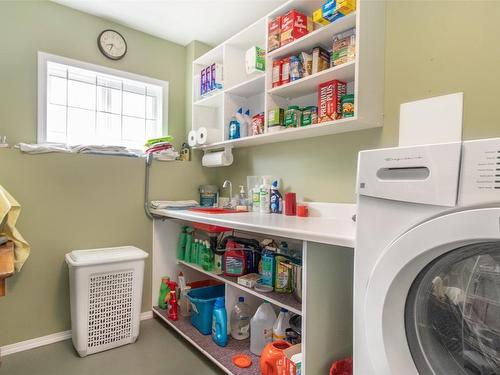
<point x="181" y="244"/>
<point x="189" y="244"/>
<point x="164" y="292"/>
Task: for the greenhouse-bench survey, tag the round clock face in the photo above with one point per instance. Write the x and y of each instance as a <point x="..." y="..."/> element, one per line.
<point x="112" y="44"/>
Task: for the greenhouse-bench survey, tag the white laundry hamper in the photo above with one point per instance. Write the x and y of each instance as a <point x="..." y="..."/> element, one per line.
<point x="106" y="295"/>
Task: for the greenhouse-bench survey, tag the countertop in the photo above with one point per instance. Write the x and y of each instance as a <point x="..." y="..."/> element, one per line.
<point x="329" y="223"/>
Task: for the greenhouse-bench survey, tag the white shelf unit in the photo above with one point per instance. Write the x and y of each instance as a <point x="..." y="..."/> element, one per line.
<point x="326" y="307"/>
<point x="364" y="76"/>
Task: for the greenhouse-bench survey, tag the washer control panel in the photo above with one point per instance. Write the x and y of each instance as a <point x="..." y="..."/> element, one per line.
<point x="480" y="172"/>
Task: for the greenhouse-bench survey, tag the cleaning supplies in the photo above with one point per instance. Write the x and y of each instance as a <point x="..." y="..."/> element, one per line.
<point x="164" y="293"/>
<point x="256" y="199"/>
<point x="261" y="328"/>
<point x="268" y="267"/>
<point x="281" y="324"/>
<point x="240" y="320"/>
<point x="181" y="244"/>
<point x="219" y="322"/>
<point x="265" y="196"/>
<point x="276" y="199"/>
<point x="234" y="128"/>
<point x="189" y="244"/>
<point x="243" y="196"/>
<point x="246" y="129"/>
<point x="283" y="275"/>
<point x="184" y="304"/>
<point x="172" y="311"/>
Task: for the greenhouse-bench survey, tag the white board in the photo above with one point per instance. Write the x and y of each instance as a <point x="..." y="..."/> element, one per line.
<point x="432" y="120"/>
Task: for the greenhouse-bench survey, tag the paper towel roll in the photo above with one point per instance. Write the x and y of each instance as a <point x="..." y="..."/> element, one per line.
<point x="206" y="135"/>
<point x="217" y="159"/>
<point x="192" y="138"/>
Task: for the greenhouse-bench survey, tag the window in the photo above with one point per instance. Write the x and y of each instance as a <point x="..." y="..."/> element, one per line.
<point x="81" y="103"/>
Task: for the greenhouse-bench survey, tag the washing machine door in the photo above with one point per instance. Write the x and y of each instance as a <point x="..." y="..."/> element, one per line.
<point x="433" y="299"/>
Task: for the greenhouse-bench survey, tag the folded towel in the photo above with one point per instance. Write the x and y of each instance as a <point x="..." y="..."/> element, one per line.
<point x="9" y="213"/>
<point x="43" y="148"/>
<point x="160" y="205"/>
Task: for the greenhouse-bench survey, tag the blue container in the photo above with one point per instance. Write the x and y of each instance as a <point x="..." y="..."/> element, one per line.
<point x="219" y="322"/>
<point x="203" y="300"/>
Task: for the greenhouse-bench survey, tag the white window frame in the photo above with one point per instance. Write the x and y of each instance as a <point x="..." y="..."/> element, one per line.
<point x="44" y="58"/>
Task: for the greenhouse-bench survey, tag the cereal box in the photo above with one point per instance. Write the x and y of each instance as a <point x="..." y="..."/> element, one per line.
<point x="346" y="6"/>
<point x="274" y="32"/>
<point x="329" y="95"/>
<point x="285" y="70"/>
<point x="344" y="47"/>
<point x="320" y="60"/>
<point x="330" y="12"/>
<point x="276" y="73"/>
<point x="294" y="25"/>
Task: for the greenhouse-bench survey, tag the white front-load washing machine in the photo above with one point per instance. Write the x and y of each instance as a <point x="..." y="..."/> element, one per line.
<point x="427" y="260"/>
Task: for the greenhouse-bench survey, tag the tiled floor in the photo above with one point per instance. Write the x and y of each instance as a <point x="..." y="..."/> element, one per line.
<point x="157" y="351"/>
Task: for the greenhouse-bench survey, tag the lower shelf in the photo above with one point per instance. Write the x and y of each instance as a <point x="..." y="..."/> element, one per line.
<point x="222" y="357"/>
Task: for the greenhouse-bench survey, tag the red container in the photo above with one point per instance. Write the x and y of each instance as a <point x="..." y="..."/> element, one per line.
<point x="272" y="360"/>
<point x="329" y="105"/>
<point x="302" y="210"/>
<point x="293" y="26"/>
<point x="342" y="367"/>
<point x="290" y="204"/>
<point x="235" y="260"/>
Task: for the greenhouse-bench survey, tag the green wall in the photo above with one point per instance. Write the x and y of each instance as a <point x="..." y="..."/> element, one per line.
<point x="84" y="201"/>
<point x="432" y="48"/>
<point x="76" y="201"/>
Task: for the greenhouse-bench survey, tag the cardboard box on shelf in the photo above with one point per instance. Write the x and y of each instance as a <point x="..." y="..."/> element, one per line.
<point x="344" y="47"/>
<point x="274" y="33"/>
<point x="320" y="60"/>
<point x="330" y="12"/>
<point x="294" y="25"/>
<point x="329" y="95"/>
<point x="293" y="360"/>
<point x="276" y="73"/>
<point x="346" y="6"/>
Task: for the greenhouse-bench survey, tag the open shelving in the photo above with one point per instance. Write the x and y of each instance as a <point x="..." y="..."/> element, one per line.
<point x="364" y="76"/>
<point x="284" y="300"/>
<point x="327" y="262"/>
<point x="220" y="356"/>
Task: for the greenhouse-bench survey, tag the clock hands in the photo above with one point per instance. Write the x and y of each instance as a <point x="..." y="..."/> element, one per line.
<point x="111" y="46"/>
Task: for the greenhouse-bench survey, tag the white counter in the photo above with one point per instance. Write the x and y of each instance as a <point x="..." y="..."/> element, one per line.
<point x="328" y="223"/>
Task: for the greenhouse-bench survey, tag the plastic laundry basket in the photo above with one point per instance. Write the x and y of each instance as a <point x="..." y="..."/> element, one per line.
<point x="106" y="294"/>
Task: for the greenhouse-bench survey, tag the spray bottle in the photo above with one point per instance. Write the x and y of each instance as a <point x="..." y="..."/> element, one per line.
<point x="172" y="312"/>
<point x="164" y="293"/>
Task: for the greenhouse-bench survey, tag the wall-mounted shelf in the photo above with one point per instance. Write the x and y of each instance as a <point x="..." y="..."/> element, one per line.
<point x="364" y="76"/>
<point x="307" y="85"/>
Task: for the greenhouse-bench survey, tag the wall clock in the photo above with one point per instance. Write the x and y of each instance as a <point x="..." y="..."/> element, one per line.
<point x="112" y="44"/>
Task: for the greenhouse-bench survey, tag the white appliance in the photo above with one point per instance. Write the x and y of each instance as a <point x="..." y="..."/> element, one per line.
<point x="427" y="260"/>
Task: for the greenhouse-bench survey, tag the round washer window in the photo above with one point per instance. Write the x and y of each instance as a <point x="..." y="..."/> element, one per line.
<point x="453" y="313"/>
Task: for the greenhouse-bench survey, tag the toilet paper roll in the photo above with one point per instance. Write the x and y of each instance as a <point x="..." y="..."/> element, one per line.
<point x="192" y="138"/>
<point x="217" y="159"/>
<point x="206" y="135"/>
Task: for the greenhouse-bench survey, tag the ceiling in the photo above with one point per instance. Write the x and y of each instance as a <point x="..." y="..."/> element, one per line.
<point x="180" y="21"/>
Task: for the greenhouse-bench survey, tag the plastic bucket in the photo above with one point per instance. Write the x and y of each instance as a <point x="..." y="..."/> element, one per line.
<point x="202" y="305"/>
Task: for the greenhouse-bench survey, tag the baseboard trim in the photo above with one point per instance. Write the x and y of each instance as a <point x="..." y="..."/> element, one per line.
<point x="34" y="343"/>
<point x="46" y="340"/>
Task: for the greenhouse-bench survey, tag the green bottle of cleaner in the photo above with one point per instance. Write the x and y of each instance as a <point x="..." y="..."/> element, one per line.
<point x="164" y="293"/>
<point x="181" y="244"/>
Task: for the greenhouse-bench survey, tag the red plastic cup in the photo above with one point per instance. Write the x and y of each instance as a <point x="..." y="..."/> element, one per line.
<point x="302" y="210"/>
<point x="290" y="204"/>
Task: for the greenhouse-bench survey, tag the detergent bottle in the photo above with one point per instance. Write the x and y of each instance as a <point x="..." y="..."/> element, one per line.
<point x="164" y="293"/>
<point x="276" y="199"/>
<point x="172" y="311"/>
<point x="234" y="128"/>
<point x="240" y="320"/>
<point x="219" y="322"/>
<point x="261" y="328"/>
<point x="281" y="324"/>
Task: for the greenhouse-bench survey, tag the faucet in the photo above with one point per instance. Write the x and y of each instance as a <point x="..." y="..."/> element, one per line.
<point x="224" y="186"/>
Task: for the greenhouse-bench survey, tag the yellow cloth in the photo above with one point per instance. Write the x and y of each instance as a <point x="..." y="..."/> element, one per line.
<point x="9" y="212"/>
